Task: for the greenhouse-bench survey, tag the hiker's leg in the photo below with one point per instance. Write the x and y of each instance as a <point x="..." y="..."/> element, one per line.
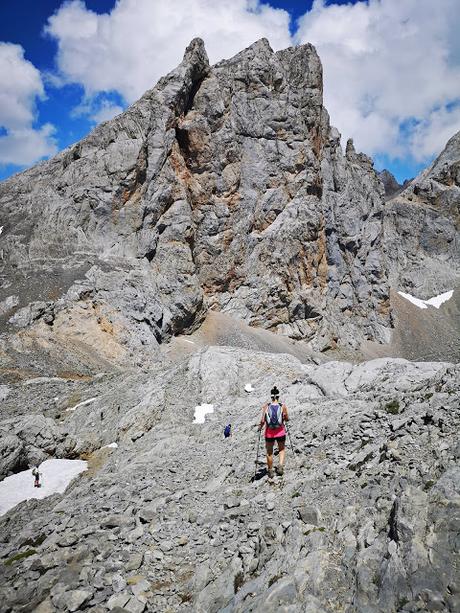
<point x="269" y="446"/>
<point x="281" y="449"/>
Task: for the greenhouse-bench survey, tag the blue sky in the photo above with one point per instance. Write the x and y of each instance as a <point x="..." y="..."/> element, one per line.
<point x="392" y="72"/>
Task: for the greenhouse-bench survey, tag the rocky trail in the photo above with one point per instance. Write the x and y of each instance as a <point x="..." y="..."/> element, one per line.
<point x="363" y="519"/>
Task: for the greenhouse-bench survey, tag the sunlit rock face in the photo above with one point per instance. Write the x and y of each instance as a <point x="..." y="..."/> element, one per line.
<point x="223" y="188"/>
<point x="422" y="228"/>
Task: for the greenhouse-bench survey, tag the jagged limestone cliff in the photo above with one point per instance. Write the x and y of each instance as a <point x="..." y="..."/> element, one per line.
<point x="222" y="188"/>
<point x="422" y="228"/>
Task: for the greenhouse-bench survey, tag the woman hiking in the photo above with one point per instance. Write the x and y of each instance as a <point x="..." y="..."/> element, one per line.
<point x="274" y="416"/>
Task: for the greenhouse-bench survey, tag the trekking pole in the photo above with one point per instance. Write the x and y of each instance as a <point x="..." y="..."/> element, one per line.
<point x="289" y="436"/>
<point x="257" y="455"/>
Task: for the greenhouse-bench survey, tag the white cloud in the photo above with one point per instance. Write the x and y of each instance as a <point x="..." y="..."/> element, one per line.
<point x="96" y="109"/>
<point x="129" y="49"/>
<point x="106" y="111"/>
<point x="22" y="144"/>
<point x="388" y="63"/>
<point x="391" y="68"/>
<point x="433" y="132"/>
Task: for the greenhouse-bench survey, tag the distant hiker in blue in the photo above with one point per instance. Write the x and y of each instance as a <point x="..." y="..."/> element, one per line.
<point x="228" y="431"/>
<point x="274" y="416"/>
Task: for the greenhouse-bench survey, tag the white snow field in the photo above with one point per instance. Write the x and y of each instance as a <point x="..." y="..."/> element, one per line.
<point x="436" y="301"/>
<point x="55" y="476"/>
<point x="110" y="446"/>
<point x="201" y="411"/>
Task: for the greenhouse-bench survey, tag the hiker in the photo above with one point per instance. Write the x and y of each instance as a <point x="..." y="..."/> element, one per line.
<point x="274" y="415"/>
<point x="228" y="431"/>
<point x="36" y="474"/>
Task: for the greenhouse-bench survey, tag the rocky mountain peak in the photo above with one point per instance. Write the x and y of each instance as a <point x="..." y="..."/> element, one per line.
<point x="423" y="225"/>
<point x="195" y="53"/>
<point x="390" y="184"/>
<point x="224" y="188"/>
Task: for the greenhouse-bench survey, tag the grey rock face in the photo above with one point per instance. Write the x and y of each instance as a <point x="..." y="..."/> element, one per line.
<point x="422" y="228"/>
<point x="31" y="440"/>
<point x="12" y="454"/>
<point x="222" y="188"/>
<point x="390" y="183"/>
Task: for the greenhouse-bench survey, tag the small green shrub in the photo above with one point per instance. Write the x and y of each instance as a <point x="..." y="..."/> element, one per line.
<point x="402" y="602"/>
<point x="392" y="407"/>
<point x="20" y="556"/>
<point x="73" y="399"/>
<point x="34" y="542"/>
<point x="320" y="529"/>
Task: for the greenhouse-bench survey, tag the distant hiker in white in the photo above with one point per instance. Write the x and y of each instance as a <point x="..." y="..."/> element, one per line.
<point x="36" y="474"/>
<point x="274" y="416"/>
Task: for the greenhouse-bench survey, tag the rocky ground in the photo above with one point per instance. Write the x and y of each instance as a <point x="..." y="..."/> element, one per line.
<point x="365" y="518"/>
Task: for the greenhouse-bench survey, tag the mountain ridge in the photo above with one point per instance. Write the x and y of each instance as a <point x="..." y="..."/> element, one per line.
<point x="187" y="202"/>
<point x="109" y="231"/>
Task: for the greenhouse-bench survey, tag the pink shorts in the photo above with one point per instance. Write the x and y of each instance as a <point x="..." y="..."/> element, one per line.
<point x="273" y="433"/>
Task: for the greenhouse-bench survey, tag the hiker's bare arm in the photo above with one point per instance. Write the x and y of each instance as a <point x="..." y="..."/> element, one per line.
<point x="262" y="417"/>
<point x="285" y="413"/>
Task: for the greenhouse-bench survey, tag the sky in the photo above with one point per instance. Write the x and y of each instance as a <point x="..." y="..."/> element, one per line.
<point x="391" y="67"/>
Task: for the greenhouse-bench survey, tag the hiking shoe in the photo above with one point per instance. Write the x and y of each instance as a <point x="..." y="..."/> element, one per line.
<point x="271" y="473"/>
<point x="280" y="470"/>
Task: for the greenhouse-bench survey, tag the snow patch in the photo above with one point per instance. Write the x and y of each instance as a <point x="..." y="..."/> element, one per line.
<point x="186" y="341"/>
<point x="201" y="411"/>
<point x="110" y="446"/>
<point x="436" y="301"/>
<point x="55" y="476"/>
<point x="419" y="303"/>
<point x="82" y="404"/>
<point x="248" y="388"/>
